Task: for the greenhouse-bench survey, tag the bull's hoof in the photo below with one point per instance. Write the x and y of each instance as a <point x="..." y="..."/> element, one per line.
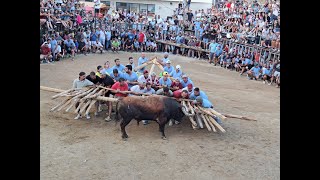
<point x="124" y="139"/>
<point x="164" y="138"/>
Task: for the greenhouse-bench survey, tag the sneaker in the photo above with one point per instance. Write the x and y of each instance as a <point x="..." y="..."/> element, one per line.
<point x="107" y="119"/>
<point x="264" y="82"/>
<point x="269" y="84"/>
<point x="170" y="123"/>
<point x="78" y="117"/>
<point x="87" y="116"/>
<point x="96" y="113"/>
<point x="176" y="122"/>
<point x="145" y="122"/>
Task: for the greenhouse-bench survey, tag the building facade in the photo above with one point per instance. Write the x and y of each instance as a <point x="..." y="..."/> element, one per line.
<point x="163" y="8"/>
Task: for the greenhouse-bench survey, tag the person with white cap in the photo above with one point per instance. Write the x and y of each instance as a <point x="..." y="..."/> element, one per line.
<point x="176" y="73"/>
<point x="185" y="81"/>
<point x="168" y="68"/>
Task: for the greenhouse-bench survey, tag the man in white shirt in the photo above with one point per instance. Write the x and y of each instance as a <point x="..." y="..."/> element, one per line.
<point x="57" y="52"/>
<point x="97" y="46"/>
<point x="78" y="84"/>
<point x="143" y="78"/>
<point x="140" y="88"/>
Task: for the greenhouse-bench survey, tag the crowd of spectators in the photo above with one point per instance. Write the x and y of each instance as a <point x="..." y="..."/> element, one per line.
<point x="68" y="29"/>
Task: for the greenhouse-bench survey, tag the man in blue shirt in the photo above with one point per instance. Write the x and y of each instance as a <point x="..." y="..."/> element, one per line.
<point x="54" y="44"/>
<point x="168" y="68"/>
<point x="131" y="62"/>
<point x="254" y="72"/>
<point x="118" y="66"/>
<point x="165" y="59"/>
<point x="142" y="60"/>
<point x="212" y="48"/>
<point x="176" y="73"/>
<point x="245" y="65"/>
<point x="116" y="75"/>
<point x="70" y="47"/>
<point x="185" y="81"/>
<point x="217" y="53"/>
<point x="266" y="73"/>
<point x="108" y="39"/>
<point x="197" y="92"/>
<point x="106" y="68"/>
<point x="206" y="104"/>
<point x="164" y="81"/>
<point x="131" y="77"/>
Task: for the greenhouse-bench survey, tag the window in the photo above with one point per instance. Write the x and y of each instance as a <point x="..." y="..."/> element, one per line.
<point x="138" y="8"/>
<point x="134" y="8"/>
<point x="105" y="2"/>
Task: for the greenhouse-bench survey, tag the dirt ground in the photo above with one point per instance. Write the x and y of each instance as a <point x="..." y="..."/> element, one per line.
<point x="93" y="149"/>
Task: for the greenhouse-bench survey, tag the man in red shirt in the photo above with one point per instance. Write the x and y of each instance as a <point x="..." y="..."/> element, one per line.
<point x="141" y="40"/>
<point x="45" y="53"/>
<point x="176" y="85"/>
<point x="181" y="94"/>
<point x="120" y="86"/>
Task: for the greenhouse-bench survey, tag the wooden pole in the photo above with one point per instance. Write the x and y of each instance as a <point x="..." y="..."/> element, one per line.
<point x="152" y="68"/>
<point x="64" y="105"/>
<point x="85" y="106"/>
<point x="91" y="104"/>
<point x="62" y="93"/>
<point x="210" y="123"/>
<point x="51" y="89"/>
<point x="101" y="98"/>
<point x="239" y="117"/>
<point x="205" y="122"/>
<point x="64" y="101"/>
<point x="216" y="124"/>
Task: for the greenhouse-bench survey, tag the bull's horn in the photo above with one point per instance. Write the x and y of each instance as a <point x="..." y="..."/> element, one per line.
<point x="185" y="111"/>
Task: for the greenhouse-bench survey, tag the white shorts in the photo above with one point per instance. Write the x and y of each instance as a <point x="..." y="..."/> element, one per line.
<point x="276" y="73"/>
<point x="180" y="18"/>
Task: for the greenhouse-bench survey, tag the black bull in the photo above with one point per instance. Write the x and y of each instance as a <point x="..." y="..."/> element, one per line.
<point x="158" y="108"/>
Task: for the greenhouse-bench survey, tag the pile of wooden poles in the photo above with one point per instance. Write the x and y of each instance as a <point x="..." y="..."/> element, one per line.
<point x="86" y="97"/>
<point x="203" y="116"/>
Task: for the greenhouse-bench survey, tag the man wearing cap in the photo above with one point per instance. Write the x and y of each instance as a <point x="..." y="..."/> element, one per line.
<point x="189" y="89"/>
<point x="131" y="77"/>
<point x="254" y="72"/>
<point x="141" y="61"/>
<point x="176" y="73"/>
<point x="144" y="77"/>
<point x="139" y="88"/>
<point x="206" y="104"/>
<point x="78" y="84"/>
<point x="176" y="85"/>
<point x="168" y="68"/>
<point x="185" y="81"/>
<point x="165" y="81"/>
<point x="118" y="65"/>
<point x="181" y="94"/>
<point x="197" y="92"/>
<point x="153" y="80"/>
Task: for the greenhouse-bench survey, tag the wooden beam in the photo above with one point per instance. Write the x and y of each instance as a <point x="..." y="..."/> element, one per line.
<point x="239" y="117"/>
<point x="216" y="124"/>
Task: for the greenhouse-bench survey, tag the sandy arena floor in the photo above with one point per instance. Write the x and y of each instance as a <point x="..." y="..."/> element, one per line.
<point x="93" y="149"/>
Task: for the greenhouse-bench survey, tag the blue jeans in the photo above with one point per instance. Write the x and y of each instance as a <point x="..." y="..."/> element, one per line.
<point x="108" y="43"/>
